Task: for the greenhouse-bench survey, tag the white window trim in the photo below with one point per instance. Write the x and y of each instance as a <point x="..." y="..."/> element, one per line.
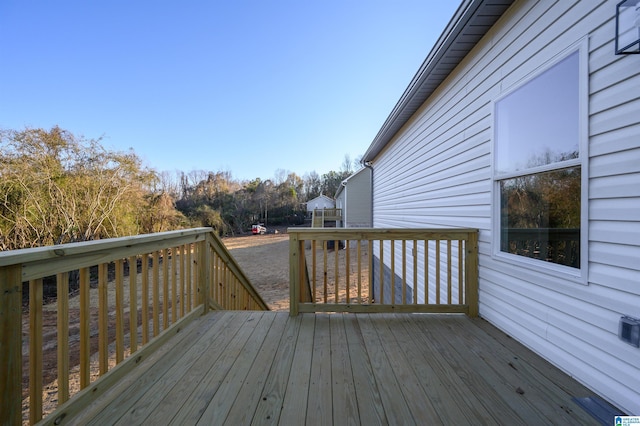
<point x="579" y="276"/>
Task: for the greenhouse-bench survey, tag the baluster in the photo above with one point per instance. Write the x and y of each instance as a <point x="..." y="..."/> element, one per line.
<point x="35" y="351"/>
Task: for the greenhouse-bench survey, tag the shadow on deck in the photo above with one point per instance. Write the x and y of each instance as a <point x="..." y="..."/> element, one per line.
<point x="235" y="367"/>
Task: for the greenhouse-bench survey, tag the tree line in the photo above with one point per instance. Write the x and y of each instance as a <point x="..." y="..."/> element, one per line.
<point x="56" y="188"/>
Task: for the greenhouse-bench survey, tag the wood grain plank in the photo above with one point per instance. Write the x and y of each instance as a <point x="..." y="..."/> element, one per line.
<point x="343" y="391"/>
<point x="294" y="406"/>
<point x="395" y="407"/>
<point x="544" y="389"/>
<point x="411" y="391"/>
<point x="448" y="393"/>
<point x="253" y="386"/>
<point x="367" y="392"/>
<point x="319" y="403"/>
<point x="269" y="368"/>
<point x="204" y="391"/>
<point x="272" y="398"/>
<point x="171" y="382"/>
<point x="222" y="401"/>
<point x="497" y="396"/>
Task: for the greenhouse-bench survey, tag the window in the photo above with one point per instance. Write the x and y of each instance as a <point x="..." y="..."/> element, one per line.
<point x="538" y="167"/>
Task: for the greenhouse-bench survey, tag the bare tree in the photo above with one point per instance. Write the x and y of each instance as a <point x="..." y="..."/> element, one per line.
<point x="60" y="188"/>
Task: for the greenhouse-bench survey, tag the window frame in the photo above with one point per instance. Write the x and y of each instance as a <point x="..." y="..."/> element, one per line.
<point x="577" y="275"/>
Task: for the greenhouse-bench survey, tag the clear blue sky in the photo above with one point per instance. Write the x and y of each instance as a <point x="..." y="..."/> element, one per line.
<point x="247" y="86"/>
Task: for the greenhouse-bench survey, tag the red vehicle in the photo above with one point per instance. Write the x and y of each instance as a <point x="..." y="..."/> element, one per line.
<point x="258" y="229"/>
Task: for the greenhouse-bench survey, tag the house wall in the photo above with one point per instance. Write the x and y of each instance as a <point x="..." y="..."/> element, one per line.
<point x="437" y="172"/>
<point x="357" y="200"/>
<point x="321" y="202"/>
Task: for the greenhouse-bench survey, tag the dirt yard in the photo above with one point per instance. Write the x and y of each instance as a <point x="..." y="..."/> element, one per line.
<point x="265" y="261"/>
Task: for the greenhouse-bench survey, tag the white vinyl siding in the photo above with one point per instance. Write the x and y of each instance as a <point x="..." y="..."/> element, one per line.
<point x="436" y="172"/>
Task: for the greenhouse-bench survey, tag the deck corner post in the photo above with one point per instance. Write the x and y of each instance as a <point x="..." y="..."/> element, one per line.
<point x="471" y="274"/>
<point x="294" y="274"/>
<point x="11" y="345"/>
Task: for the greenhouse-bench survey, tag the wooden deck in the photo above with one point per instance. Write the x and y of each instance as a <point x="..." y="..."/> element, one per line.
<point x="241" y="367"/>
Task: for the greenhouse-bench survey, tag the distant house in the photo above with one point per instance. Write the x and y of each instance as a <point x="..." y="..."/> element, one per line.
<point x="523" y="123"/>
<point x="354" y="198"/>
<point x="320" y="202"/>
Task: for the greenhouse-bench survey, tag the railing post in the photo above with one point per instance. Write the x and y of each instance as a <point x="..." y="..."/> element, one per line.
<point x="294" y="274"/>
<point x="11" y="345"/>
<point x="471" y="274"/>
<point x="203" y="273"/>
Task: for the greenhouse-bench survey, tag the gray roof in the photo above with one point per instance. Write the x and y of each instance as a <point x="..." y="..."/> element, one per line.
<point x="469" y="24"/>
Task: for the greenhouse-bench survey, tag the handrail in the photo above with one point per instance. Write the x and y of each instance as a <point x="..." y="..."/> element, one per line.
<point x="148" y="287"/>
<point x="320" y="216"/>
<point x="239" y="293"/>
<point x="329" y="211"/>
<point x="383" y="270"/>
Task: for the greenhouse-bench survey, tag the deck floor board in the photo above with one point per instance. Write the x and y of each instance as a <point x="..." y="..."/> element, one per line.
<point x="237" y="368"/>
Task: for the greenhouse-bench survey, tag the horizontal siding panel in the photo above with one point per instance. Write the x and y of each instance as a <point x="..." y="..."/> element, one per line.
<point x="434" y="170"/>
<point x="619" y="186"/>
<point x="600" y="41"/>
<point x="621" y="279"/>
<point x="615" y="232"/>
<point x="392" y="197"/>
<point x="615" y="118"/>
<point x="599" y="343"/>
<point x="434" y="193"/>
<point x="443" y="154"/>
<point x="614" y="141"/>
<point x="469" y="177"/>
<point x="624" y="256"/>
<point x="618" y="71"/>
<point x="623" y="209"/>
<point x="395" y="221"/>
<point x="621" y="93"/>
<point x="620" y="393"/>
<point x="428" y="150"/>
<point x="617" y="163"/>
<point x="491" y="303"/>
<point x="412" y="202"/>
<point x="560" y="26"/>
<point x="508" y="274"/>
<point x="541" y="303"/>
<point x="442" y="212"/>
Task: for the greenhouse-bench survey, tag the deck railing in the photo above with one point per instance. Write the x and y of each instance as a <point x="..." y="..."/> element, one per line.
<point x="128" y="296"/>
<point x="320" y="216"/>
<point x="383" y="270"/>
